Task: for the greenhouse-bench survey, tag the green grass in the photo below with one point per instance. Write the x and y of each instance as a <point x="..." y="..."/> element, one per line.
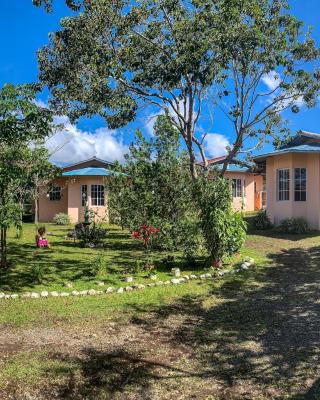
<point x="254" y="335"/>
<point x="66" y="262"/>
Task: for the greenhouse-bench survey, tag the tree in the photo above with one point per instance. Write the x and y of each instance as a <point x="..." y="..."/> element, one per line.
<point x="182" y="57"/>
<point x="153" y="186"/>
<point x="22" y="124"/>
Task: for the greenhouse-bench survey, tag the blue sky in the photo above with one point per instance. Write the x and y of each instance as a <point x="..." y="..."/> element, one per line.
<point x="24" y="29"/>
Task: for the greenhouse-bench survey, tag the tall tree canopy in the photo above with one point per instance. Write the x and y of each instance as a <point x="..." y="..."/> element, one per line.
<point x="114" y="57"/>
<point x="22" y="125"/>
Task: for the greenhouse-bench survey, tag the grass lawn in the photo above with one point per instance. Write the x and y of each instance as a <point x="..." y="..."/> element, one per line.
<point x="66" y="262"/>
<point x="254" y="335"/>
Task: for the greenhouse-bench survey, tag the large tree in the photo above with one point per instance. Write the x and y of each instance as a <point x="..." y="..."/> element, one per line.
<point x="153" y="186"/>
<point x="114" y="57"/>
<point x="22" y="125"/>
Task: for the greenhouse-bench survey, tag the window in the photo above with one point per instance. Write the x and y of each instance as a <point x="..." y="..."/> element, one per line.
<point x="55" y="193"/>
<point x="97" y="195"/>
<point x="236" y="187"/>
<point x="300" y="184"/>
<point x="84" y="195"/>
<point x="283" y="178"/>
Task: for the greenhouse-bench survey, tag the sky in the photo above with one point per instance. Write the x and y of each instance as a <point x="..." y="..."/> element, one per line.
<point x="24" y="29"/>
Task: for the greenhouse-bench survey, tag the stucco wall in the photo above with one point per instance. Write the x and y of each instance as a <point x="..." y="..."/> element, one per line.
<point x="248" y="179"/>
<point x="75" y="208"/>
<point x="309" y="209"/>
<point x="71" y="202"/>
<point x="47" y="208"/>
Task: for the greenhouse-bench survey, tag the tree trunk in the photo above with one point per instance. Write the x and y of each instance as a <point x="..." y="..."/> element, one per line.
<point x="3" y="248"/>
<point x="36" y="212"/>
<point x="192" y="162"/>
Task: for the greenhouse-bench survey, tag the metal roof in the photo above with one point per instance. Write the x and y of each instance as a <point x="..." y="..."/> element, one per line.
<point x="303" y="148"/>
<point x="90" y="171"/>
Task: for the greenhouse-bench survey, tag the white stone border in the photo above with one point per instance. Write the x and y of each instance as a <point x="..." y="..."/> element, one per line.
<point x="248" y="262"/>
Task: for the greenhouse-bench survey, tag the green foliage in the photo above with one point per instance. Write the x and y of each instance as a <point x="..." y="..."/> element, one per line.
<point x="89" y="236"/>
<point x="223" y="229"/>
<point x="37" y="273"/>
<point x="99" y="266"/>
<point x="111" y="58"/>
<point x="191" y="241"/>
<point x="294" y="226"/>
<point x="153" y="187"/>
<point x="22" y="123"/>
<point x="262" y="221"/>
<point x="62" y="219"/>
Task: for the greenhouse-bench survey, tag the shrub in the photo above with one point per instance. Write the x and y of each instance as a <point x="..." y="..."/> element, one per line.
<point x="146" y="233"/>
<point x="62" y="219"/>
<point x="223" y="229"/>
<point x="98" y="266"/>
<point x="261" y="221"/>
<point x="89" y="236"/>
<point x="191" y="241"/>
<point x="294" y="226"/>
<point x="37" y="273"/>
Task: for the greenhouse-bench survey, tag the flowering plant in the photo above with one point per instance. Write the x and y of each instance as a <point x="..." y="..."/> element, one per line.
<point x="145" y="233"/>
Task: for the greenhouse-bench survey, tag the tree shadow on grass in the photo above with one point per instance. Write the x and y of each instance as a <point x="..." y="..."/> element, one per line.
<point x="258" y="330"/>
<point x="102" y="374"/>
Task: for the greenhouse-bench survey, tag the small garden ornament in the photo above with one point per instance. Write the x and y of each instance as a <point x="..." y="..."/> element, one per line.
<point x="41" y="240"/>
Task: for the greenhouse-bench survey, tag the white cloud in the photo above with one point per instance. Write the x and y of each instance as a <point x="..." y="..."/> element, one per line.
<point x="215" y="145"/>
<point x="271" y="80"/>
<point x="72" y="144"/>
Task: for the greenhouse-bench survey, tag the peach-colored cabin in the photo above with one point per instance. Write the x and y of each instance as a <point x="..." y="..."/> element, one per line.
<point x="79" y="184"/>
<point x="293" y="180"/>
<point x="247" y="186"/>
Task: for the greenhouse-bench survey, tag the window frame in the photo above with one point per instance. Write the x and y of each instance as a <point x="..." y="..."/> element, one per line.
<point x="236" y="188"/>
<point x="285" y="185"/>
<point x="300" y="191"/>
<point x="84" y="199"/>
<point x="95" y="195"/>
<point x="55" y="193"/>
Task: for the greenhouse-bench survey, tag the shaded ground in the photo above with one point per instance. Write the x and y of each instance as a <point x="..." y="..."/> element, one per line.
<point x="257" y="336"/>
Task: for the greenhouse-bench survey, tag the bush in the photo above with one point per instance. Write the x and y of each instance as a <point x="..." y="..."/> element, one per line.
<point x="223" y="229"/>
<point x="62" y="219"/>
<point x="294" y="226"/>
<point x="37" y="273"/>
<point x="191" y="241"/>
<point x="89" y="236"/>
<point x="261" y="221"/>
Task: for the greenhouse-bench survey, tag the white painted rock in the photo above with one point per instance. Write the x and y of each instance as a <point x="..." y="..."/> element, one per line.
<point x="208" y="276"/>
<point x="193" y="276"/>
<point x="14" y="296"/>
<point x="153" y="277"/>
<point x="35" y="295"/>
<point x="110" y="290"/>
<point x="151" y="284"/>
<point x="44" y="294"/>
<point x="54" y="294"/>
<point x="176" y="272"/>
<point x="120" y="290"/>
<point x="186" y="277"/>
<point x="100" y="283"/>
<point x="128" y="279"/>
<point x="128" y="289"/>
<point x="7" y="296"/>
<point x="244" y="266"/>
<point x="75" y="293"/>
<point x="99" y="292"/>
<point x="64" y="294"/>
<point x="159" y="283"/>
<point x="2" y="295"/>
<point x="83" y="292"/>
<point x="68" y="285"/>
<point x="91" y="292"/>
<point x="26" y="295"/>
<point x="175" y="281"/>
<point x="203" y="276"/>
